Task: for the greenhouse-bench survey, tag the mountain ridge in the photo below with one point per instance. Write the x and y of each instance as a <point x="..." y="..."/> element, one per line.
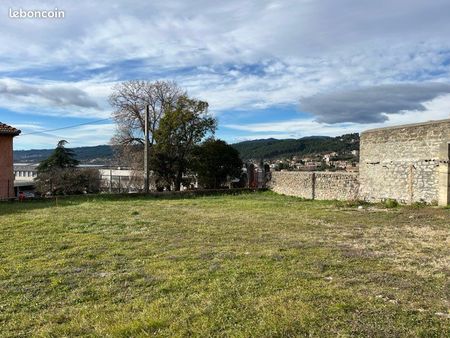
<point x="101" y="154"/>
<point x="270" y="148"/>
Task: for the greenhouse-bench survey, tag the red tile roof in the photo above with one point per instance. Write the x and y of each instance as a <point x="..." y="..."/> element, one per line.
<point x="8" y="130"/>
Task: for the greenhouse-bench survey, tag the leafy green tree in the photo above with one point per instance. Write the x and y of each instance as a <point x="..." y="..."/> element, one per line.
<point x="58" y="174"/>
<point x="163" y="166"/>
<point x="214" y="162"/>
<point x="183" y="126"/>
<point x="61" y="158"/>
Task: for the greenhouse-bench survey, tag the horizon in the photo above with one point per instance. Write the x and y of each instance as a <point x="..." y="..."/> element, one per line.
<point x="317" y="67"/>
<point x="111" y="145"/>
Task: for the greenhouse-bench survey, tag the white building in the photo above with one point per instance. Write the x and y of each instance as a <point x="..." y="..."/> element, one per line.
<point x="112" y="178"/>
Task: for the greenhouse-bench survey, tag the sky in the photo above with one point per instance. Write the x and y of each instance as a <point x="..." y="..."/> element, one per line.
<point x="282" y="69"/>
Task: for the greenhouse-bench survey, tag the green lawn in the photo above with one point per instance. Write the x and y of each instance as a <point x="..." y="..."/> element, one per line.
<point x="252" y="265"/>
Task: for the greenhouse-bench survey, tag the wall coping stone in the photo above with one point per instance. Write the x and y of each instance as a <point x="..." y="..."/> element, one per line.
<point x="411" y="125"/>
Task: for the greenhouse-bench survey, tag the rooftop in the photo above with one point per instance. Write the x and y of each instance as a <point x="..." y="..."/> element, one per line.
<point x="8" y="130"/>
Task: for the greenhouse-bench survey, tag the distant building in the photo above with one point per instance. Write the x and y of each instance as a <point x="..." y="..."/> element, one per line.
<point x="313" y="165"/>
<point x="7" y="134"/>
<point x="327" y="157"/>
<point x="112" y="178"/>
<point x="340" y="164"/>
<point x="120" y="179"/>
<point x="24" y="175"/>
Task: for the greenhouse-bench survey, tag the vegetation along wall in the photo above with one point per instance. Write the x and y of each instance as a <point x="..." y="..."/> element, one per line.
<point x="316" y="185"/>
<point x="407" y="163"/>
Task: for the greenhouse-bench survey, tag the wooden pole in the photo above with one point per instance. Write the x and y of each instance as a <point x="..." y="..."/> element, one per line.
<point x="146" y="152"/>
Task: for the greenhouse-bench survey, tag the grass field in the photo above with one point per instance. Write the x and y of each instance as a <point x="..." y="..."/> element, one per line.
<point x="252" y="265"/>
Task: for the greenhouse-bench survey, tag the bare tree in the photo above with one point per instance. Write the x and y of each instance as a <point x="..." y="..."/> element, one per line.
<point x="130" y="98"/>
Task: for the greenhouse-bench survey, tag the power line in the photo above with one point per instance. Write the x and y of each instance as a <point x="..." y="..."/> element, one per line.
<point x="67" y="127"/>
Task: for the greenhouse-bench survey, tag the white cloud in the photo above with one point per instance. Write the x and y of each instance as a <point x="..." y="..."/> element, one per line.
<point x="372" y="104"/>
<point x="54" y="98"/>
<point x="241" y="54"/>
<point x="89" y="135"/>
<point x="436" y="109"/>
<point x="61" y="95"/>
<point x="195" y="33"/>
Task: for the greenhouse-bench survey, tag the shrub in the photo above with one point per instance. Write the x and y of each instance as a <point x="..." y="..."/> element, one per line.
<point x="390" y="203"/>
<point x="419" y="204"/>
<point x="69" y="181"/>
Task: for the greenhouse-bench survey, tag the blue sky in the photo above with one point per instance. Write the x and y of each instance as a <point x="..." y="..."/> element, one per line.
<point x="280" y="69"/>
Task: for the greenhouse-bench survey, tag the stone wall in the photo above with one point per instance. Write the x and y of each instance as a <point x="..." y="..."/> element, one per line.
<point x="316" y="185"/>
<point x="407" y="163"/>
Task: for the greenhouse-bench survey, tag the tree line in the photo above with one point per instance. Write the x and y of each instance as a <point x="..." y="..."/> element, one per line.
<point x="273" y="148"/>
<point x="181" y="140"/>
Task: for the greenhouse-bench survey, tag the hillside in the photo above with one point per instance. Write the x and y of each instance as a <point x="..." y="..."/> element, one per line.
<point x="273" y="148"/>
<point x="86" y="155"/>
<point x="255" y="149"/>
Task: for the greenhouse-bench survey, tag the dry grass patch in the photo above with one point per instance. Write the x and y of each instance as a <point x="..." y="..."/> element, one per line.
<point x="249" y="265"/>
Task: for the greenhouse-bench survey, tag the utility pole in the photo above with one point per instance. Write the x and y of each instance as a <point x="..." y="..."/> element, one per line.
<point x="110" y="180"/>
<point x="146" y="152"/>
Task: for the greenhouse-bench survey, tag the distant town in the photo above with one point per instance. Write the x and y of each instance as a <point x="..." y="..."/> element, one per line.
<point x="117" y="176"/>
